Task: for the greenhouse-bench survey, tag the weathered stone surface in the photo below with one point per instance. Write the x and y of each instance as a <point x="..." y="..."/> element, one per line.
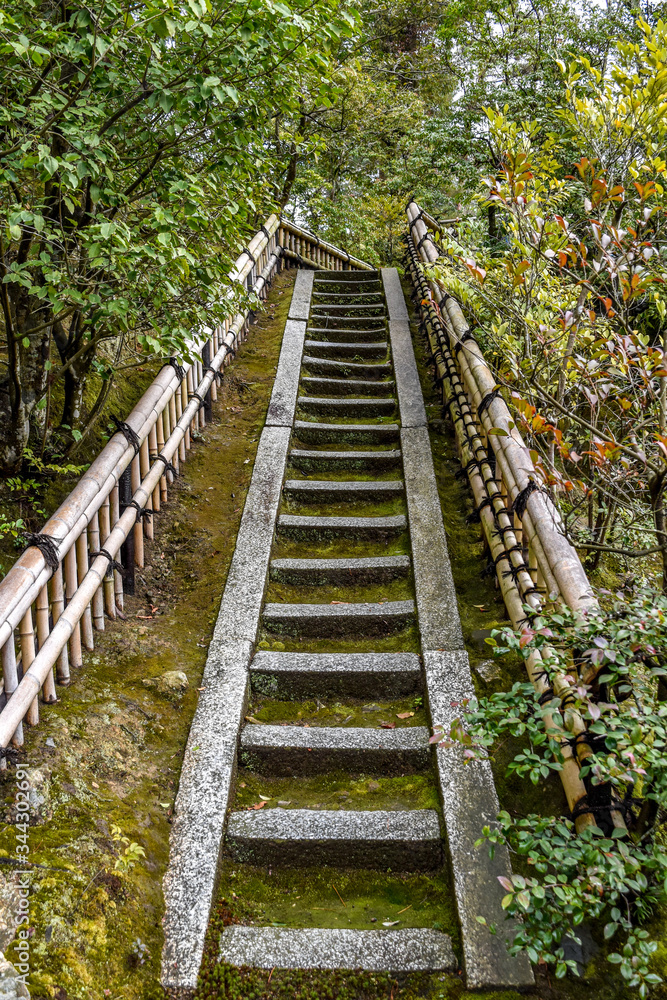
<point x="286" y="385"/>
<point x="400" y="950"/>
<point x="303" y="287"/>
<point x="439" y="622"/>
<point x="404" y="840"/>
<point x="244" y="590"/>
<point x="171" y="684"/>
<point x="319" y="490"/>
<point x="411" y="402"/>
<point x="297" y="750"/>
<point x="338" y="619"/>
<point x="317" y="433"/>
<point x="470" y="803"/>
<point x="346" y="387"/>
<point x="339" y="571"/>
<point x="377" y="528"/>
<point x="340" y="335"/>
<point x="347" y="406"/>
<point x="199" y="812"/>
<point x="340" y="349"/>
<point x="11" y="986"/>
<point x="351" y="309"/>
<point x="315" y="675"/>
<point x="363" y="461"/>
<point x="323" y="366"/>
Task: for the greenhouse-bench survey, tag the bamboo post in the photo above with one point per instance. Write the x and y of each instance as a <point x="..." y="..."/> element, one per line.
<point x="138" y="531"/>
<point x="42" y="620"/>
<point x="159" y="436"/>
<point x="71" y="584"/>
<point x="144" y="466"/>
<point x="10" y="679"/>
<point x="153" y="451"/>
<point x="81" y="570"/>
<point x="57" y="608"/>
<point x="117" y="577"/>
<point x="27" y="638"/>
<point x="98" y="596"/>
<point x="127" y="548"/>
<point x="108" y="585"/>
<point x="179" y="456"/>
<point x="185" y="388"/>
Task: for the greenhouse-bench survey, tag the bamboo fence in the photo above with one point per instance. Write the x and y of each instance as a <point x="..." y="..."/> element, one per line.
<point x="75" y="573"/>
<point x="534" y="563"/>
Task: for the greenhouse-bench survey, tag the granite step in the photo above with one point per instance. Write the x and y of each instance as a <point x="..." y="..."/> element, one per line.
<point x="334" y="461"/>
<point x="339" y="349"/>
<point x="317" y="433"/>
<point x="402" y="840"/>
<point x="280" y="751"/>
<point x="329" y="675"/>
<point x="417" y="949"/>
<point x="320" y="620"/>
<point x="326" y="366"/>
<point x="345" y="387"/>
<point x="347" y="406"/>
<point x="369" y="528"/>
<point x="347" y="294"/>
<point x="339" y="571"/>
<point x="353" y="335"/>
<point x="325" y="490"/>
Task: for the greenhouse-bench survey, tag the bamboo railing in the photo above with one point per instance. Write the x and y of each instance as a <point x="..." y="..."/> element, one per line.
<point x="76" y="571"/>
<point x="534" y="562"/>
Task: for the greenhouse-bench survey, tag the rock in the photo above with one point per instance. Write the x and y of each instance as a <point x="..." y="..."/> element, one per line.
<point x="39" y="780"/>
<point x="171" y="684"/>
<point x="488" y="670"/>
<point x="9" y="909"/>
<point x="479" y="636"/>
<point x="11" y="987"/>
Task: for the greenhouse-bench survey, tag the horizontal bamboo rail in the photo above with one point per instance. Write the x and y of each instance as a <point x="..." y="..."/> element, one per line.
<point x="75" y="573"/>
<point x="533" y="561"/>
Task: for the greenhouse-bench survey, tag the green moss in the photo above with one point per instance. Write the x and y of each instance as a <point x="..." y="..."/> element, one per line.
<point x="337" y="790"/>
<point x="351" y="714"/>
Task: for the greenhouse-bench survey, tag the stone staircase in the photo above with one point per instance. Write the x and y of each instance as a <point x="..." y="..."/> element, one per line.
<point x="353" y="600"/>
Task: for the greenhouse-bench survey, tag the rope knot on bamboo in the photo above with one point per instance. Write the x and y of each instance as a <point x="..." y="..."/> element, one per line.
<point x="486" y="401"/>
<point x="46" y="546"/>
<point x="196" y="395"/>
<point x="521" y="499"/>
<point x="113" y="563"/>
<point x="246" y="251"/>
<point x="217" y="374"/>
<point x="128" y="433"/>
<point x="168" y="467"/>
<point x="179" y="369"/>
<point x="141" y="511"/>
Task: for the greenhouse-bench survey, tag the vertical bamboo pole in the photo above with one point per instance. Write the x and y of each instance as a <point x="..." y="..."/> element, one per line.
<point x="173" y="420"/>
<point x="105" y="531"/>
<point x="11" y="682"/>
<point x="138" y="531"/>
<point x="184" y="401"/>
<point x="27" y="636"/>
<point x="117" y="577"/>
<point x="178" y="403"/>
<point x="57" y="608"/>
<point x="153" y="452"/>
<point x="81" y="570"/>
<point x="71" y="583"/>
<point x="144" y="466"/>
<point x="98" y="597"/>
<point x="159" y="435"/>
<point x="42" y="618"/>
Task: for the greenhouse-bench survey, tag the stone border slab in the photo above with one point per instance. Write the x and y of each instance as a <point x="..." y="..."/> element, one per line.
<point x="403" y="950"/>
<point x="303" y="290"/>
<point x="286" y="385"/>
<point x="470" y="802"/>
<point x="411" y="401"/>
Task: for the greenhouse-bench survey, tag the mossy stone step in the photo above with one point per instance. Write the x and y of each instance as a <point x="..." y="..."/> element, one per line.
<point x="400" y="950"/>
<point x="339" y="571"/>
<point x="347" y="294"/>
<point x="340" y="349"/>
<point x="322" y="675"/>
<point x="336" y="308"/>
<point x="323" y="490"/>
<point x="362" y="461"/>
<point x="338" y="619"/>
<point x="347" y="406"/>
<point x="346" y="386"/>
<point x="280" y="751"/>
<point x="325" y="366"/>
<point x="342" y="335"/>
<point x="401" y="840"/>
<point x="351" y="433"/>
<point x="370" y="528"/>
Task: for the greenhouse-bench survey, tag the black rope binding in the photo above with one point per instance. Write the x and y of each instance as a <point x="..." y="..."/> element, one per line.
<point x="415" y="220"/>
<point x="168" y="467"/>
<point x="179" y="369"/>
<point x="113" y="563"/>
<point x="426" y="236"/>
<point x="195" y="395"/>
<point x="246" y="251"/>
<point x="468" y="335"/>
<point x="128" y="433"/>
<point x="521" y="499"/>
<point x="487" y="400"/>
<point x="217" y="373"/>
<point x="46" y="546"/>
<point x="265" y="231"/>
<point x="141" y="511"/>
<point x="531" y="590"/>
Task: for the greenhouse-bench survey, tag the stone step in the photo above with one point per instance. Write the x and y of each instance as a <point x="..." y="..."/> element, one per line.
<point x="321" y="620"/>
<point x="326" y="366"/>
<point x="370" y="528"/>
<point x="402" y="840"/>
<point x="329" y="675"/>
<point x="339" y="349"/>
<point x="345" y="433"/>
<point x="280" y="751"/>
<point x="350" y="307"/>
<point x="345" y="387"/>
<point x="347" y="406"/>
<point x="343" y="277"/>
<point x="417" y="949"/>
<point x="339" y="571"/>
<point x="325" y="490"/>
<point x="320" y="293"/>
<point x="333" y="461"/>
<point x="356" y="335"/>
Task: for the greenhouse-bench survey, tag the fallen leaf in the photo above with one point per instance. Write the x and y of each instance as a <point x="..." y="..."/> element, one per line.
<point x="285" y="802"/>
<point x="404" y="715"/>
<point x="405" y="908"/>
<point x="390" y="923"/>
<point x="251" y="718"/>
<point x="265" y="798"/>
<point x="258" y="805"/>
<point x="387" y="725"/>
<point x="339" y="602"/>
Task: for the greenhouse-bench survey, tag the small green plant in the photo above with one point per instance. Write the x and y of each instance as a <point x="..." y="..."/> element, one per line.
<point x="129" y="851"/>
